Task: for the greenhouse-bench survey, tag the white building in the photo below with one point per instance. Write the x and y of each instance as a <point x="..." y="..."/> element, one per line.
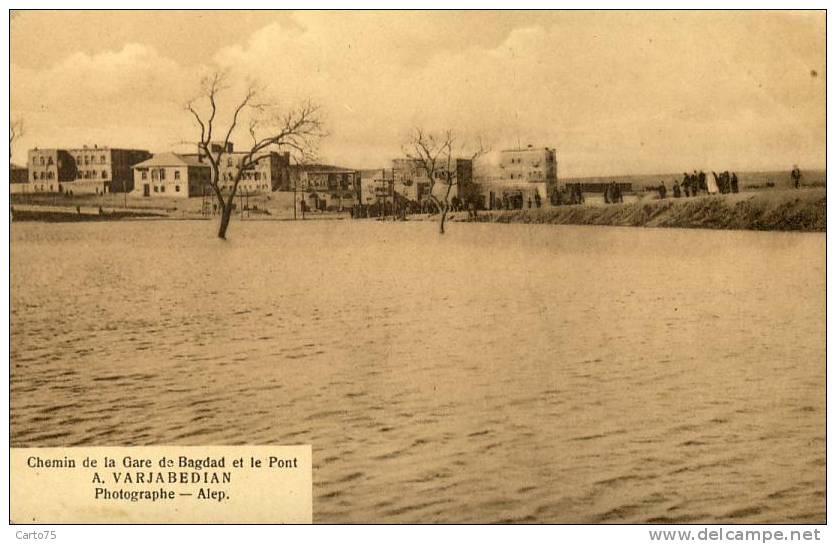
<point x="172" y="175"/>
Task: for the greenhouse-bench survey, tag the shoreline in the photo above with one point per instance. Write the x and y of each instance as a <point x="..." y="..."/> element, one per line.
<point x="796" y="210"/>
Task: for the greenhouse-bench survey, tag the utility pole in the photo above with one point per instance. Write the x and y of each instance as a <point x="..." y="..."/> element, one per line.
<point x="294" y="200"/>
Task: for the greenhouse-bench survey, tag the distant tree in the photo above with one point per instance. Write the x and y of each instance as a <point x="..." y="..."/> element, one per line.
<point x="16" y="131"/>
<point x="436" y="154"/>
<point x="297" y="131"/>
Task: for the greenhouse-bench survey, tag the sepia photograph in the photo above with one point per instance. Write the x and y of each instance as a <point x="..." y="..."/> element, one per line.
<point x="418" y="267"/>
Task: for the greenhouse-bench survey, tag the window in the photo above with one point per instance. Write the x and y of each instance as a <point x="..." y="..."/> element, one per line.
<point x="49" y="161"/>
<point x="156" y="189"/>
<point x="155" y="175"/>
<point x="42" y="161"/>
<point x="176" y="188"/>
<point x="177" y="175"/>
<point x="162" y="188"/>
<point x="86" y="159"/>
<point x="145" y="174"/>
<point x="162" y="174"/>
<point x="104" y="174"/>
<point x="102" y="159"/>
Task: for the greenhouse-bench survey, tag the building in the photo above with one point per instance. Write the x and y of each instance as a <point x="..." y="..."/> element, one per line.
<point x="49" y="169"/>
<point x="172" y="175"/>
<point x="104" y="170"/>
<point x="325" y="187"/>
<point x="18" y="179"/>
<point x="408" y="179"/>
<point x="270" y="172"/>
<point x="96" y="170"/>
<point x="515" y="175"/>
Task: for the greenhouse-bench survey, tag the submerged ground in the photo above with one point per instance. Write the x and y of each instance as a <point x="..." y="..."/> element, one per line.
<point x="521" y="373"/>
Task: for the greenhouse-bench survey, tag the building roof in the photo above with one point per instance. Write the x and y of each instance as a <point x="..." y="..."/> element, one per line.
<point x="323" y="168"/>
<point x="169" y="159"/>
<point x="529" y="148"/>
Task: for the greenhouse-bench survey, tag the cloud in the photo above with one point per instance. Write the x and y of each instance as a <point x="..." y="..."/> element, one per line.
<point x="128" y="97"/>
<point x="615" y="93"/>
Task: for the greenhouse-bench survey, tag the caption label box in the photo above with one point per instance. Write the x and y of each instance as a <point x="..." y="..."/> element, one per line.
<point x="162" y="484"/>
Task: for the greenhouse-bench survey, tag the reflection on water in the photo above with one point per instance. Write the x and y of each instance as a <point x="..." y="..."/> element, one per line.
<point x="499" y="373"/>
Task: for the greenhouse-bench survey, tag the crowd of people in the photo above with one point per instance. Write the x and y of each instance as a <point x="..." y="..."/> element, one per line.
<point x="698" y="183"/>
<point x="612" y="194"/>
<point x="571" y="193"/>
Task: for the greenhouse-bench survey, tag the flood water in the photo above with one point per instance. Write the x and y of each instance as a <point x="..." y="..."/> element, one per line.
<point x="500" y="373"/>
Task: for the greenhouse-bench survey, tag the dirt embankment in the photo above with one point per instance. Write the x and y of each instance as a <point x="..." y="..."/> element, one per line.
<point x="787" y="210"/>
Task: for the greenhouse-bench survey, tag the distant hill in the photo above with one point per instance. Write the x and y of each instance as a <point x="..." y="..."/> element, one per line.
<point x="747" y="180"/>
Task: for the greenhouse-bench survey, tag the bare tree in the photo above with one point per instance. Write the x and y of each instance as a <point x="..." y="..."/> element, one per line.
<point x="297" y="131"/>
<point x="16" y="131"/>
<point x="436" y="155"/>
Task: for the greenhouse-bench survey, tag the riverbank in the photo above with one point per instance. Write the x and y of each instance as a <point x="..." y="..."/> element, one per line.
<point x="61" y="216"/>
<point x="782" y="210"/>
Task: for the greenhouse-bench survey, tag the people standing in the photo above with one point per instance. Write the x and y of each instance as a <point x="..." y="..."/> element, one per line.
<point x="701" y="180"/>
<point x="663" y="191"/>
<point x="734" y="186"/>
<point x="537" y="201"/>
<point x="686" y="184"/>
<point x="796" y="176"/>
<point x="676" y="192"/>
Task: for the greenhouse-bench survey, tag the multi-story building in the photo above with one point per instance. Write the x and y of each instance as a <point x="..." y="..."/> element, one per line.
<point x="104" y="169"/>
<point x="49" y="169"/>
<point x="411" y="181"/>
<point x="169" y="174"/>
<point x="324" y="186"/>
<point x="85" y="170"/>
<point x="270" y="172"/>
<point x="518" y="175"/>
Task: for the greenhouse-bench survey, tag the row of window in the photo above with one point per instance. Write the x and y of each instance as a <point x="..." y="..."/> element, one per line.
<point x="90" y="174"/>
<point x="79" y="160"/>
<point x="159" y="174"/>
<point x="264" y="187"/>
<point x="88" y="159"/>
<point x="533" y="174"/>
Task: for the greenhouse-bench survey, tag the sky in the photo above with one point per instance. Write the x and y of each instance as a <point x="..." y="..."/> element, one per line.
<point x="613" y="92"/>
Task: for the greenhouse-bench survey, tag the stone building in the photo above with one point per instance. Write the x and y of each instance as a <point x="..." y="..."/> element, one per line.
<point x="325" y="187"/>
<point x="270" y="172"/>
<point x="515" y="175"/>
<point x="49" y="169"/>
<point x="96" y="170"/>
<point x="410" y="179"/>
<point x="104" y="169"/>
<point x="172" y="175"/>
